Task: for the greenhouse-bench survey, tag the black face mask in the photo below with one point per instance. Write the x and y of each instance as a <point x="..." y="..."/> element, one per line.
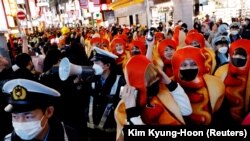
<point x="135" y="53"/>
<point x="238" y="62"/>
<point x="188" y="74"/>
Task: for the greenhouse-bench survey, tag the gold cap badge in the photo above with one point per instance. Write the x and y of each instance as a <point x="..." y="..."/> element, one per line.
<point x="19" y="93"/>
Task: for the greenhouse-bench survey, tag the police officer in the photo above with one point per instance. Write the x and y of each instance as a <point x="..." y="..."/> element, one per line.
<point x="31" y="105"/>
<point x="221" y="46"/>
<point x="104" y="97"/>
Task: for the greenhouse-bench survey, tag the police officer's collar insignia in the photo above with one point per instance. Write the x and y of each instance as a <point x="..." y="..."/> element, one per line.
<point x="19" y="93"/>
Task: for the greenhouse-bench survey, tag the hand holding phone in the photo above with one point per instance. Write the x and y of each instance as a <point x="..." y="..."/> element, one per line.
<point x="129" y="95"/>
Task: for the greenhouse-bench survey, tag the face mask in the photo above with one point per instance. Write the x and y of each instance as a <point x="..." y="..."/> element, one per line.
<point x="28" y="130"/>
<point x="135" y="52"/>
<point x="119" y="52"/>
<point x="98" y="69"/>
<point x="238" y="62"/>
<point x="223" y="50"/>
<point x="234" y="32"/>
<point x="188" y="74"/>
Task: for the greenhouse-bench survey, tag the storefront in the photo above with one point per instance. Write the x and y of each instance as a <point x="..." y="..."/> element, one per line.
<point x="130" y="12"/>
<point x="162" y="11"/>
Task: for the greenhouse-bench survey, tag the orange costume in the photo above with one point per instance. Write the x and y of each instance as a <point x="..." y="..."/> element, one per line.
<point x="210" y="62"/>
<point x="123" y="56"/>
<point x="141" y="74"/>
<point x="237" y="79"/>
<point x="206" y="92"/>
<point x="138" y="44"/>
<point x="179" y="36"/>
<point x="167" y="64"/>
<point x="65" y="31"/>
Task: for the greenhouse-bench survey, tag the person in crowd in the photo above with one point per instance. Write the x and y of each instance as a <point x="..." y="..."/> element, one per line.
<point x="213" y="32"/>
<point x="65" y="34"/>
<point x="118" y="47"/>
<point x="221" y="47"/>
<point x="77" y="54"/>
<point x="196" y="39"/>
<point x="26" y="67"/>
<point x="234" y="32"/>
<point x="160" y="27"/>
<point x="50" y="75"/>
<point x="105" y="44"/>
<point x="5" y="121"/>
<point x="137" y="47"/>
<point x="169" y="34"/>
<point x="219" y="21"/>
<point x="245" y="32"/>
<point x="197" y="25"/>
<point x="205" y="91"/>
<point x="207" y="20"/>
<point x="75" y="93"/>
<point x="104" y="97"/>
<point x="150" y="97"/>
<point x="166" y="49"/>
<point x="235" y="75"/>
<point x="222" y="30"/>
<point x="31" y="106"/>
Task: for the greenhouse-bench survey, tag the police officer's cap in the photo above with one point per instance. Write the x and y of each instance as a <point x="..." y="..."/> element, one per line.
<point x="100" y="55"/>
<point x="220" y="40"/>
<point x="223" y="28"/>
<point x="26" y="95"/>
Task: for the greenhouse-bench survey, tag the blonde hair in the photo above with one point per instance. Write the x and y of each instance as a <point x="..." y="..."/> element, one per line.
<point x="151" y="75"/>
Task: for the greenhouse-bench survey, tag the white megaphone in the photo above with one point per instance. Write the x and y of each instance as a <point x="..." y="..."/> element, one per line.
<point x="67" y="69"/>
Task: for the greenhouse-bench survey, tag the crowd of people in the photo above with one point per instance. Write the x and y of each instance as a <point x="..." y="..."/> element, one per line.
<point x="130" y="75"/>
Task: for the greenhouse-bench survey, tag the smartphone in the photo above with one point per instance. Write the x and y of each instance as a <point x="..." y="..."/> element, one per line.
<point x="150" y="36"/>
<point x="121" y="89"/>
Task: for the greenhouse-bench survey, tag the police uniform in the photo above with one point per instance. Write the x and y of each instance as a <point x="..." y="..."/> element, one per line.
<point x="26" y="95"/>
<point x="103" y="99"/>
<point x="221" y="58"/>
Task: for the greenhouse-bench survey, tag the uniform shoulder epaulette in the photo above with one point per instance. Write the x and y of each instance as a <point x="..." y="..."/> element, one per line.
<point x="8" y="137"/>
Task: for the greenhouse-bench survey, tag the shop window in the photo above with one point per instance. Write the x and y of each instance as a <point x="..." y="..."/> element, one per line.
<point x="131" y="20"/>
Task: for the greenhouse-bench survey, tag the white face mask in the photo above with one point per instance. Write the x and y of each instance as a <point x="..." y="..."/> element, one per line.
<point x="223" y="50"/>
<point x="234" y="32"/>
<point x="98" y="69"/>
<point x="28" y="130"/>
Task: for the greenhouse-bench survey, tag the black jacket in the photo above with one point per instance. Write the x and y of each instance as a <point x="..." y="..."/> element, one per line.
<point x="101" y="98"/>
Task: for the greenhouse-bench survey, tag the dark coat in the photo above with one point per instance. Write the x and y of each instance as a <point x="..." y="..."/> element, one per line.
<point x="25" y="74"/>
<point x="101" y="98"/>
